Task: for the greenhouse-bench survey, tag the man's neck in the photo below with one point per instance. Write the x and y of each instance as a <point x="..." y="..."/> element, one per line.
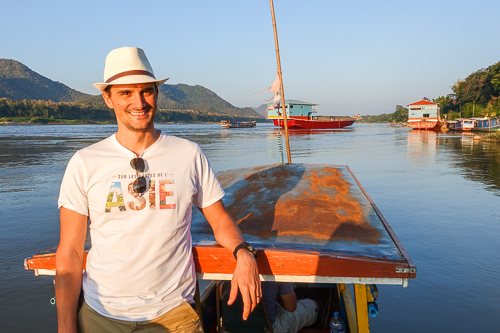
<point x="137" y="141"/>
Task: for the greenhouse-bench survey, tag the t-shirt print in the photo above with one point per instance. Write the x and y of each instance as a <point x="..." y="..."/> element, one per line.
<point x="115" y="198"/>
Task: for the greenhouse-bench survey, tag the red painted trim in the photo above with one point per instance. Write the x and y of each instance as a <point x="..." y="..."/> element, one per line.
<point x="216" y="259"/>
<point x="312" y="124"/>
<point x="422" y="102"/>
<point x="210" y="259"/>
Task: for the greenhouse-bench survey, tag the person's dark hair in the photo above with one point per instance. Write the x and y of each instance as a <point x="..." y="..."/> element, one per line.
<point x="108" y="90"/>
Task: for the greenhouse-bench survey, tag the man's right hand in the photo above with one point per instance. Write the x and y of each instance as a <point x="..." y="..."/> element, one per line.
<point x="69" y="268"/>
<point x="246" y="279"/>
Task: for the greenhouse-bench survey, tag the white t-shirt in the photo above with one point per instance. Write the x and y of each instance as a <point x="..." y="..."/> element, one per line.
<point x="140" y="264"/>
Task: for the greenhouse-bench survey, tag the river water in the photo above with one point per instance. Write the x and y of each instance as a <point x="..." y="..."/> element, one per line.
<point x="439" y="192"/>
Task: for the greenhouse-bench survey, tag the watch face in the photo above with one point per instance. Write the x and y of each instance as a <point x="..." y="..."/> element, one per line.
<point x="251" y="249"/>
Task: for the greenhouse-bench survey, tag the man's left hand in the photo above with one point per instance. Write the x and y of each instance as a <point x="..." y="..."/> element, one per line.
<point x="246" y="279"/>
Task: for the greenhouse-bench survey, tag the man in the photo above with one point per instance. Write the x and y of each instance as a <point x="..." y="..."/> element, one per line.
<point x="287" y="314"/>
<point x="139" y="272"/>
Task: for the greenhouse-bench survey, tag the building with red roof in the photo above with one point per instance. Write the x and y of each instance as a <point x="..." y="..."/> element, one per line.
<point x="424" y="114"/>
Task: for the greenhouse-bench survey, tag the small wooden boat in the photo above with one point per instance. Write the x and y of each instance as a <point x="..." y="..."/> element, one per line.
<point x="243" y="124"/>
<point x="460" y="124"/>
<point x="313" y="225"/>
<point x="486" y="124"/>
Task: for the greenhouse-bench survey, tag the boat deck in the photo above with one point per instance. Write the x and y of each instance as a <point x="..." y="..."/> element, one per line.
<point x="310" y="223"/>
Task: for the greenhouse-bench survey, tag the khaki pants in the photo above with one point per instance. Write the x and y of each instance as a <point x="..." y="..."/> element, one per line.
<point x="179" y="320"/>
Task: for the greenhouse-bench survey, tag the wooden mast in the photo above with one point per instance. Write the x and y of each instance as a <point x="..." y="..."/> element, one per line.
<point x="283" y="105"/>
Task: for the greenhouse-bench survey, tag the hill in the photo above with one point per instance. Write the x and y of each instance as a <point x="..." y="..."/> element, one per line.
<point x="475" y="96"/>
<point x="261" y="109"/>
<point x="478" y="95"/>
<point x="18" y="83"/>
<point x="185" y="97"/>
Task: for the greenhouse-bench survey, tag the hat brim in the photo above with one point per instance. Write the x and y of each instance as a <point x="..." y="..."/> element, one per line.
<point x="131" y="79"/>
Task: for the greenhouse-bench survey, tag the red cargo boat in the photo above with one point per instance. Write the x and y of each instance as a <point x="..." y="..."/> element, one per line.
<point x="331" y="122"/>
<point x="301" y="115"/>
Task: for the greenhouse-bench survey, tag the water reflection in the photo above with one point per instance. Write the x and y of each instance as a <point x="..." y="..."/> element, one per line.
<point x="422" y="146"/>
<point x="477" y="161"/>
<point x="473" y="159"/>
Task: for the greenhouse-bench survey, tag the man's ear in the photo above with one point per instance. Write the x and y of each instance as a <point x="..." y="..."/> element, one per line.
<point x="107" y="99"/>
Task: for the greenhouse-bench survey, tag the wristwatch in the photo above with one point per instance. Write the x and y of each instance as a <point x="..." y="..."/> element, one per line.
<point x="247" y="246"/>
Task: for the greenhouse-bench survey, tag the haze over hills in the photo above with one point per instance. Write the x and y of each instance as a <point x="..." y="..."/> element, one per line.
<point x="18" y="82"/>
<point x="261" y="109"/>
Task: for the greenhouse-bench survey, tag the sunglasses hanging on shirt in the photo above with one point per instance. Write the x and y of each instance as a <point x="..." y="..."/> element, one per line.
<point x="139" y="186"/>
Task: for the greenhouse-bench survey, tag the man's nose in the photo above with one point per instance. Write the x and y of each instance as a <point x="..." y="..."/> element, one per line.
<point x="140" y="101"/>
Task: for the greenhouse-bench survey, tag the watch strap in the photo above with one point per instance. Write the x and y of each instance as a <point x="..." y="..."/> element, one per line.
<point x="247" y="246"/>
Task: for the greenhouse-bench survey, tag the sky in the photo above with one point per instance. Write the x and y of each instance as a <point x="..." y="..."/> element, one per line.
<point x="349" y="57"/>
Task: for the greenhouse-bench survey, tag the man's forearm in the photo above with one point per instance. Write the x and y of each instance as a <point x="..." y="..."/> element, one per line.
<point x="68" y="286"/>
<point x="246" y="274"/>
<point x="228" y="234"/>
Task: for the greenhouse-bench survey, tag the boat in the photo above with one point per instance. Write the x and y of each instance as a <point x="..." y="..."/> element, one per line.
<point x="243" y="124"/>
<point x="302" y="115"/>
<point x="424" y="115"/>
<point x="312" y="224"/>
<point x="460" y="124"/>
<point x="486" y="124"/>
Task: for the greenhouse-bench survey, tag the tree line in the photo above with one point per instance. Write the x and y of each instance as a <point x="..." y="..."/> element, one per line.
<point x="39" y="111"/>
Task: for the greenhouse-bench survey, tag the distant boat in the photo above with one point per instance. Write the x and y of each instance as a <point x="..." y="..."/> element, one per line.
<point x="486" y="124"/>
<point x="460" y="124"/>
<point x="301" y="115"/>
<point x="243" y="124"/>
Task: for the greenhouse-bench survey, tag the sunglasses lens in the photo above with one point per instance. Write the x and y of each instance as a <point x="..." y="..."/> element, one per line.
<point x="139" y="185"/>
<point x="138" y="164"/>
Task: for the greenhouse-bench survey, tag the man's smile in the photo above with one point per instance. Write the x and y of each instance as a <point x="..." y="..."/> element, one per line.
<point x="139" y="113"/>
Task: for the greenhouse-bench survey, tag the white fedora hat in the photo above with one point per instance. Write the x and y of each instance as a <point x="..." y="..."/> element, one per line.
<point x="127" y="65"/>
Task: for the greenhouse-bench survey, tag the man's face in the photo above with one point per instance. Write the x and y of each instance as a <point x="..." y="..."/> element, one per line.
<point x="134" y="105"/>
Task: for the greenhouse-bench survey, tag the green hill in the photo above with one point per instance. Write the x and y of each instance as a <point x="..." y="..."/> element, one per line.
<point x="185" y="97"/>
<point x="18" y="82"/>
<point x="478" y="95"/>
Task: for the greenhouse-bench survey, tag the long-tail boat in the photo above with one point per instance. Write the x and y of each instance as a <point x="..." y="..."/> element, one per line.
<point x="486" y="124"/>
<point x="313" y="225"/>
<point x="460" y="124"/>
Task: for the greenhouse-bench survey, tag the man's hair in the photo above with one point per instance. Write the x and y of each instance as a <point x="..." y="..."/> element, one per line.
<point x="108" y="90"/>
